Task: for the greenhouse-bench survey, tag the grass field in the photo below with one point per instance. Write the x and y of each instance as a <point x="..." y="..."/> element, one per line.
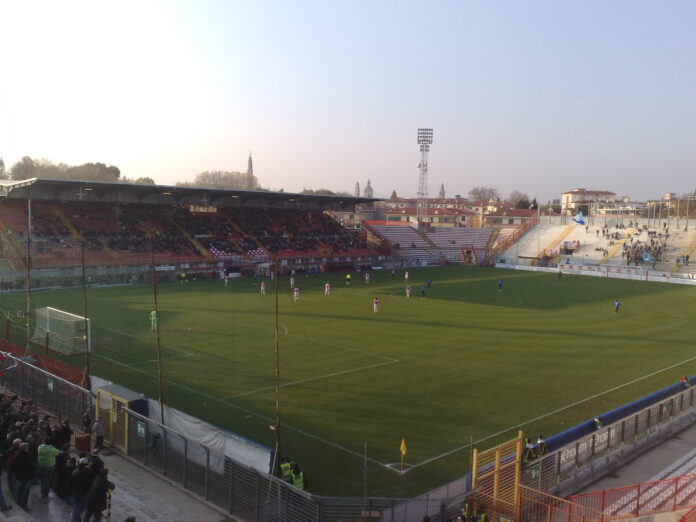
<point x="465" y="363"/>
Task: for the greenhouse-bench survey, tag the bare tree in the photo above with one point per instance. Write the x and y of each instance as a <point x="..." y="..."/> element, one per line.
<point x="484" y="194"/>
<point x="516" y="196"/>
<point x="222" y="179"/>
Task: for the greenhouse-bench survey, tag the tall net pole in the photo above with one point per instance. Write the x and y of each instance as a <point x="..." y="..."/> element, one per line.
<point x="27" y="312"/>
<point x="158" y="349"/>
<point x="425" y="139"/>
<point x="86" y="336"/>
<point x="277" y="364"/>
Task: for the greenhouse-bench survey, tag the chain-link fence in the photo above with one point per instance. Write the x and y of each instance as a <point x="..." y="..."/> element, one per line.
<point x="49" y="392"/>
<point x="231" y="486"/>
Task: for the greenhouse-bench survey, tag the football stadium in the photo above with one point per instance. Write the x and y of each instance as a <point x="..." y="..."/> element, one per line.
<point x="491" y="369"/>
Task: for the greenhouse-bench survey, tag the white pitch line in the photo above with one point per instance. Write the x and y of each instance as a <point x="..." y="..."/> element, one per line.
<point x="251" y="413"/>
<point x="310" y="379"/>
<point x="553" y="412"/>
<point x="140" y="338"/>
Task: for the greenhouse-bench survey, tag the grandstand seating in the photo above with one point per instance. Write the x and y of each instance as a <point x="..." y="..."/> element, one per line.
<point x="450" y="240"/>
<point x="116" y="233"/>
<point x="530" y="244"/>
<point x="436" y="245"/>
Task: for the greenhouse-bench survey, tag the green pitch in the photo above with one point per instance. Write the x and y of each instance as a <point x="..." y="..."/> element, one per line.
<point x="466" y="363"/>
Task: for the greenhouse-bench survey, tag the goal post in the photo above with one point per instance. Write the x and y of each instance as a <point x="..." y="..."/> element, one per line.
<point x="64" y="332"/>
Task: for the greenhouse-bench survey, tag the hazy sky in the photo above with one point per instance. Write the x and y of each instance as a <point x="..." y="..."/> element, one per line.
<point x="537" y="96"/>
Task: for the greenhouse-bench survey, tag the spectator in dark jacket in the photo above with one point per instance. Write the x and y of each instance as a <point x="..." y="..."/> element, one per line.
<point x="24" y="470"/>
<point x="64" y="467"/>
<point x="10" y="455"/>
<point x="95" y="462"/>
<point x="96" y="498"/>
<point x="64" y="434"/>
<point x="79" y="484"/>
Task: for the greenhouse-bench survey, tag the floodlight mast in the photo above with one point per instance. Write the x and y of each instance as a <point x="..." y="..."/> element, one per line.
<point x="425" y="139"/>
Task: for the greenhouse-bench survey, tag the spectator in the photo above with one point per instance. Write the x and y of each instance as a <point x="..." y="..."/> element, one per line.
<point x="99" y="431"/>
<point x="79" y="485"/>
<point x="86" y="422"/>
<point x="47" y="465"/>
<point x="10" y="455"/>
<point x="23" y="469"/>
<point x="95" y="461"/>
<point x="97" y="496"/>
<point x="65" y="465"/>
<point x="64" y="434"/>
<point x="597" y="423"/>
<point x="4" y="506"/>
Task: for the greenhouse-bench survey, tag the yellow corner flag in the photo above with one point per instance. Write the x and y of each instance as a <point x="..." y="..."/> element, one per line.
<point x="403" y="451"/>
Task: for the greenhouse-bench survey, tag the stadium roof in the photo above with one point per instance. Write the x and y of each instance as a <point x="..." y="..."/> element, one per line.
<point x="109" y="192"/>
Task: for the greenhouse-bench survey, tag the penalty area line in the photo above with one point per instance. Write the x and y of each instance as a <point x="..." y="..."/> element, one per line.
<point x="558" y="410"/>
<point x="311" y="379"/>
<point x="141" y="338"/>
<point x="251" y="413"/>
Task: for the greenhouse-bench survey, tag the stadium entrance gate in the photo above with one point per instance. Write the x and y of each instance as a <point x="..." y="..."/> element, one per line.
<point x="113" y="402"/>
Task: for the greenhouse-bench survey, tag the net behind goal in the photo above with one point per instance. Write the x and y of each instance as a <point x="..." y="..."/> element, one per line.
<point x="67" y="333"/>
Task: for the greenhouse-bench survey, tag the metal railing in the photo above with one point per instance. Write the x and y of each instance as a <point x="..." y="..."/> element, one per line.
<point x="672" y="494"/>
<point x="576" y="465"/>
<point x="231" y="486"/>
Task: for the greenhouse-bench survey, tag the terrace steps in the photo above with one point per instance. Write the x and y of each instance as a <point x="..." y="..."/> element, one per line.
<point x="15" y="246"/>
<point x="557" y="240"/>
<point x="243" y="232"/>
<point x="66" y="222"/>
<point x="109" y="250"/>
<point x="618" y="245"/>
<point x="687" y="250"/>
<point x="197" y="244"/>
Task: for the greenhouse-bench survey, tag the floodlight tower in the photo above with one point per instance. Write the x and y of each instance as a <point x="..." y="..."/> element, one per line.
<point x="425" y="139"/>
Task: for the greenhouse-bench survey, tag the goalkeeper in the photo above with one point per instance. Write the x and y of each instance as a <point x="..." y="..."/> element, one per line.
<point x="153" y="320"/>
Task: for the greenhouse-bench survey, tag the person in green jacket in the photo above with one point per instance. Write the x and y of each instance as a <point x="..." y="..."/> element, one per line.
<point x="47" y="462"/>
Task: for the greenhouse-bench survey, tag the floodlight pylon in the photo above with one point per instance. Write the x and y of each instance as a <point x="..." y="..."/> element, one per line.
<point x="425" y="139"/>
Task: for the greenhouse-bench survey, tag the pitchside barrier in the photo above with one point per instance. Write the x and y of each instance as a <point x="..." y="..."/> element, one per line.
<point x="614" y="272"/>
<point x="236" y="488"/>
<point x="584" y="453"/>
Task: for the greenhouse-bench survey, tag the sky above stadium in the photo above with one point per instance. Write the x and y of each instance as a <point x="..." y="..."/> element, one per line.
<point x="539" y="96"/>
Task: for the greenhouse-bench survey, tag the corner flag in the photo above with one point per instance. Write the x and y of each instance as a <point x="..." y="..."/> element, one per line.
<point x="403" y="451"/>
<point x="579" y="218"/>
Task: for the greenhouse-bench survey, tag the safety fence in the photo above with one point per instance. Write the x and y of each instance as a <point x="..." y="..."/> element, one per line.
<point x="577" y="464"/>
<point x="690" y="516"/>
<point x="613" y="272"/>
<point x="231" y="486"/>
<point x="672" y="494"/>
<point x="49" y="392"/>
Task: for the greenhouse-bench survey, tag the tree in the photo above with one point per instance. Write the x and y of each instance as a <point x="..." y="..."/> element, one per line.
<point x="3" y="170"/>
<point x="515" y="197"/>
<point x="222" y="179"/>
<point x="23" y="169"/>
<point x="143" y="180"/>
<point x="43" y="168"/>
<point x="319" y="192"/>
<point x="484" y="194"/>
<point x="523" y="203"/>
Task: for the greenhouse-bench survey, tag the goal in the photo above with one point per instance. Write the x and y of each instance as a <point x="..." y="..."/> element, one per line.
<point x="65" y="332"/>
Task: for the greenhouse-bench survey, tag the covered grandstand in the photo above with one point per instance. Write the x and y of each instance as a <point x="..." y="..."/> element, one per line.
<point x="55" y="224"/>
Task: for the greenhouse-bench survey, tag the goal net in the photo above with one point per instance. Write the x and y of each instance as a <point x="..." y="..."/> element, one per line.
<point x="65" y="332"/>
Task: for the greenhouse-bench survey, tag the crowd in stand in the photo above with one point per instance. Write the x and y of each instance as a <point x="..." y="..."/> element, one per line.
<point x="638" y="252"/>
<point x="291" y="230"/>
<point x="37" y="451"/>
<point x="173" y="231"/>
